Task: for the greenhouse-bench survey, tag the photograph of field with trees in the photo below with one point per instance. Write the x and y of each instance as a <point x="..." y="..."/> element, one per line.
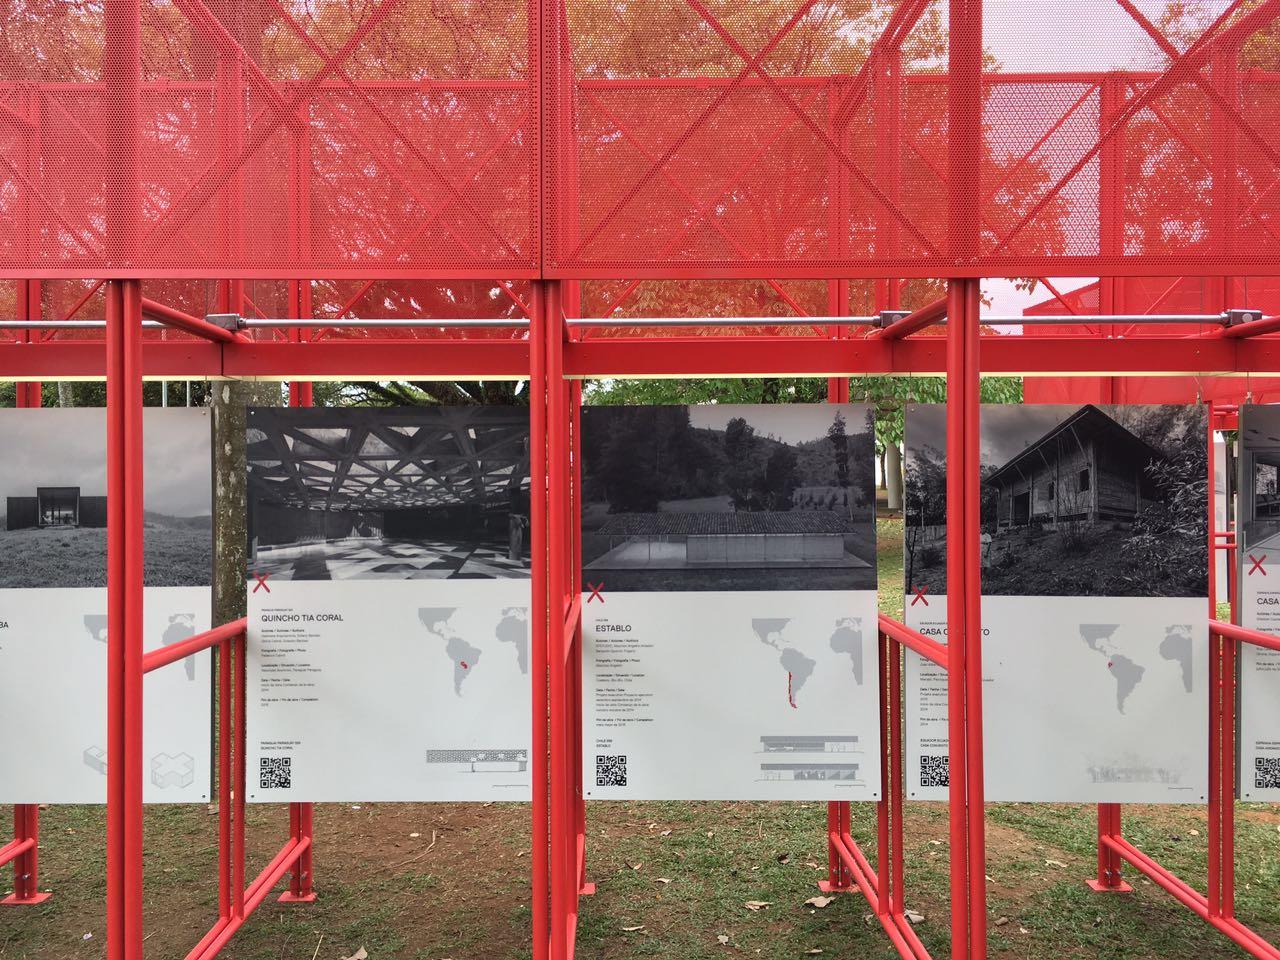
<point x="724" y="497"/>
<point x="1076" y="500"/>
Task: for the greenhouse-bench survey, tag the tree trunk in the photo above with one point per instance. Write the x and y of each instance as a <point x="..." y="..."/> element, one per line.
<point x="229" y="401"/>
<point x="66" y="396"/>
<point x="893" y="475"/>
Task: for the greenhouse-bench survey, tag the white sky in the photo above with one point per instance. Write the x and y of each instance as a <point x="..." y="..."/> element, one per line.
<point x="68" y="448"/>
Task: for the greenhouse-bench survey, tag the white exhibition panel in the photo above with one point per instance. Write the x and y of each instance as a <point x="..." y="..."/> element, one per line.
<point x="1259" y="607"/>
<point x="388" y="690"/>
<point x="1085" y="700"/>
<point x="53" y="605"/>
<point x="53" y="692"/>
<point x="752" y="695"/>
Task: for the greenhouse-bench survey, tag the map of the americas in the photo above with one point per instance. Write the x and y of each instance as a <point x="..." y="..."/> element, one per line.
<point x="463" y="655"/>
<point x="799" y="668"/>
<point x="512" y="628"/>
<point x="1127" y="673"/>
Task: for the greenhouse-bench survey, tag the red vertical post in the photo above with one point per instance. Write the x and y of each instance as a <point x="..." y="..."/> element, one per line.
<point x="1111" y="300"/>
<point x="301" y="815"/>
<point x="957" y="610"/>
<point x="26" y="816"/>
<point x="564" y="868"/>
<point x="964" y="675"/>
<point x="540" y="620"/>
<point x="124" y="620"/>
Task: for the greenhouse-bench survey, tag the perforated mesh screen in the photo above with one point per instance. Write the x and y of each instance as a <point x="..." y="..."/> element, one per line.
<point x="784" y="138"/>
<point x="274" y="138"/>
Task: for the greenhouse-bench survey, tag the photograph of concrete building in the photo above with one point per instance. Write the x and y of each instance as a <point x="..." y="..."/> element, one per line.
<point x="53" y="493"/>
<point x="1076" y="500"/>
<point x="722" y="497"/>
<point x="388" y="493"/>
<point x="1258" y="500"/>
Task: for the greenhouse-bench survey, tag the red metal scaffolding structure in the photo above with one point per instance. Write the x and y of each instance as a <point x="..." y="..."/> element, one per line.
<point x="359" y="145"/>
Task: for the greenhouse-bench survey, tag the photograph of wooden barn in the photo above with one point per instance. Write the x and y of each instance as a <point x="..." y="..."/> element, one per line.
<point x="1258" y="500"/>
<point x="388" y="493"/>
<point x="1076" y="500"/>
<point x="53" y="503"/>
<point x="722" y="497"/>
<point x="1087" y="468"/>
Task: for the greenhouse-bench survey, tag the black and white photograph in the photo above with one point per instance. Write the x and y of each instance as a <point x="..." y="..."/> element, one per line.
<point x="1076" y="500"/>
<point x="722" y="497"/>
<point x="1259" y="499"/>
<point x="53" y="498"/>
<point x="388" y="493"/>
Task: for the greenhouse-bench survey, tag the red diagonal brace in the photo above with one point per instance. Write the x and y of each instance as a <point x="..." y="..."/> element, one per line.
<point x="753" y="63"/>
<point x="690" y="130"/>
<point x="924" y="317"/>
<point x="187" y="323"/>
<point x="1176" y="73"/>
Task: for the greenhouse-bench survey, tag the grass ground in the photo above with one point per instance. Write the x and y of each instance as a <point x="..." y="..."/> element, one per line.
<point x="177" y="553"/>
<point x="429" y="882"/>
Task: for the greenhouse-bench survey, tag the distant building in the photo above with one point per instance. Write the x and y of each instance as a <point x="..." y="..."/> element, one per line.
<point x="55" y="507"/>
<point x="1086" y="468"/>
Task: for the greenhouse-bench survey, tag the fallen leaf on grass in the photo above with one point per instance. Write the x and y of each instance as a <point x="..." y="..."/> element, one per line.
<point x="361" y="954"/>
<point x="663" y="880"/>
<point x="1193" y="833"/>
<point x="814" y="952"/>
<point x="634" y="866"/>
<point x="819" y="902"/>
<point x="632" y="929"/>
<point x="756" y="905"/>
<point x="915" y="917"/>
<point x="1001" y="921"/>
<point x="784" y="858"/>
<point x="722" y="939"/>
<point x="665" y="833"/>
<point x="1055" y="863"/>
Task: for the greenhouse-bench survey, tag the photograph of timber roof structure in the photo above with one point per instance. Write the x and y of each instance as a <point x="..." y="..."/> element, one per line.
<point x="388" y="493"/>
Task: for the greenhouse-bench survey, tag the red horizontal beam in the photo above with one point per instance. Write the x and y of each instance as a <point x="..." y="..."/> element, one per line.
<point x="201" y="641"/>
<point x="380" y="360"/>
<point x="648" y="357"/>
<point x="1244" y="635"/>
<point x="901" y="633"/>
<point x="1191" y="898"/>
<point x="14" y="849"/>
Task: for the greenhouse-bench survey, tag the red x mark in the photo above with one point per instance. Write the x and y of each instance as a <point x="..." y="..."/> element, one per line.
<point x="262" y="582"/>
<point x="1257" y="564"/>
<point x="919" y="597"/>
<point x="595" y="589"/>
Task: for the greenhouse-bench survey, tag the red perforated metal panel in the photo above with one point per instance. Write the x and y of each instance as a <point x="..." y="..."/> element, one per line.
<point x="273" y="138"/>
<point x="665" y="138"/>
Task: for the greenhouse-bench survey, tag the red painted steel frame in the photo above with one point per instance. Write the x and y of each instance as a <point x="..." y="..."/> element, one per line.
<point x="24" y="850"/>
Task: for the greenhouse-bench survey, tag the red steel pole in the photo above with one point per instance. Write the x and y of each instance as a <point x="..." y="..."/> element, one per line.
<point x="540" y="621"/>
<point x="972" y="558"/>
<point x="957" y="611"/>
<point x="124" y="620"/>
<point x="564" y="886"/>
<point x="301" y="815"/>
<point x="26" y="816"/>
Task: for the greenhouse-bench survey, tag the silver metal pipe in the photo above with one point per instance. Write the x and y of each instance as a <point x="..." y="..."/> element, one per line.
<point x="722" y="321"/>
<point x="312" y="323"/>
<point x="69" y="324"/>
<point x="1140" y="318"/>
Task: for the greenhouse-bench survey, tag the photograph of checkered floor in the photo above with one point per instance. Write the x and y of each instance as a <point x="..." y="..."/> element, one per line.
<point x="372" y="558"/>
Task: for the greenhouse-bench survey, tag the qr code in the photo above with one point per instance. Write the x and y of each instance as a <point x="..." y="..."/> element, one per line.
<point x="611" y="771"/>
<point x="275" y="773"/>
<point x="935" y="771"/>
<point x="1266" y="773"/>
